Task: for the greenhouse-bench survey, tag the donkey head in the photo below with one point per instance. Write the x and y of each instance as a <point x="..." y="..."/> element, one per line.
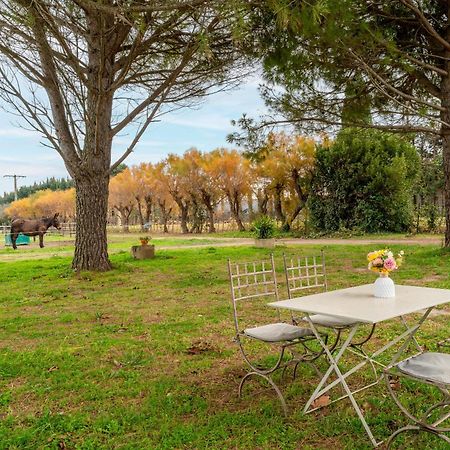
<point x="55" y="221"/>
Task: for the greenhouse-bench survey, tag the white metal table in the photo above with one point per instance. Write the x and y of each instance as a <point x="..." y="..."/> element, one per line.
<point x="359" y="304"/>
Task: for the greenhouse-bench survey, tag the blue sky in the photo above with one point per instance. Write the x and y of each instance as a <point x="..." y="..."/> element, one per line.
<point x="204" y="127"/>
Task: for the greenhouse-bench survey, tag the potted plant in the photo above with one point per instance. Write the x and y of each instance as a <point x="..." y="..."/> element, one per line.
<point x="143" y="251"/>
<point x="264" y="231"/>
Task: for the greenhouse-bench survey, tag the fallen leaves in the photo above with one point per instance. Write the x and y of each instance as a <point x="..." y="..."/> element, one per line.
<point x="198" y="347"/>
<point x="323" y="400"/>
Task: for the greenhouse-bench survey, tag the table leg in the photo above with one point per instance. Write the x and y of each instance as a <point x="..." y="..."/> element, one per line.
<point x="408" y="335"/>
<point x="341" y="379"/>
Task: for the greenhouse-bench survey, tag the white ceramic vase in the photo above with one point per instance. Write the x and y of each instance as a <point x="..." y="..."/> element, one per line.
<point x="384" y="287"/>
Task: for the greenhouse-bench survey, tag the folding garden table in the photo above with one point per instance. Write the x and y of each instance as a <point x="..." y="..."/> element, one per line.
<point x="358" y="303"/>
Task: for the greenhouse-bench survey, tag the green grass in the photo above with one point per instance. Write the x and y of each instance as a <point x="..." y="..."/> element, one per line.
<point x="64" y="245"/>
<point x="103" y="360"/>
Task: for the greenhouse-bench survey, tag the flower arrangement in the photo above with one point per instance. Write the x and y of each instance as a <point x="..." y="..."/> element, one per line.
<point x="383" y="261"/>
<point x="144" y="240"/>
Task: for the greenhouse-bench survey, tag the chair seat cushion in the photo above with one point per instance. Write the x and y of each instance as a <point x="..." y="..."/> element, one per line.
<point x="434" y="367"/>
<point x="331" y="321"/>
<point x="277" y="332"/>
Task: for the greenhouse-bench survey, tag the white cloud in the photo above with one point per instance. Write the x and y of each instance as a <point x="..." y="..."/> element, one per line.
<point x="211" y="121"/>
<point x="18" y="133"/>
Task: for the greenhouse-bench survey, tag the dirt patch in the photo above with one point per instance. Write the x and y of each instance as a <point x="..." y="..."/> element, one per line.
<point x="199" y="347"/>
<point x="427" y="279"/>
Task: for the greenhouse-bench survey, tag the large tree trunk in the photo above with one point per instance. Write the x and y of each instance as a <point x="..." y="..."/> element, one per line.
<point x="446" y="156"/>
<point x="91" y="245"/>
<point x="445" y="133"/>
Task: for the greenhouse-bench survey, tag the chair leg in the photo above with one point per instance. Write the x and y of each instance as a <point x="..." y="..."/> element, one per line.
<point x="270" y="381"/>
<point x="366" y="339"/>
<point x="416" y="428"/>
<point x="333" y="346"/>
<point x="422" y="423"/>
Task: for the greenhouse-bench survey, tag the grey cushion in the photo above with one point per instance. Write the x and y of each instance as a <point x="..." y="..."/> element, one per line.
<point x="277" y="332"/>
<point x="331" y="321"/>
<point x="429" y="366"/>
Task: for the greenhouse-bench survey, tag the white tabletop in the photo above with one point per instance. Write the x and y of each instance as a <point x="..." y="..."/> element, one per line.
<point x="358" y="303"/>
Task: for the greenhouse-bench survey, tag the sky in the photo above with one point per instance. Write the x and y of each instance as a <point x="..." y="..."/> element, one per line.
<point x="204" y="127"/>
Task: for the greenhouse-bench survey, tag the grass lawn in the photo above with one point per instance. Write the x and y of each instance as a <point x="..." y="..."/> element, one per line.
<point x="142" y="357"/>
<point x="117" y="243"/>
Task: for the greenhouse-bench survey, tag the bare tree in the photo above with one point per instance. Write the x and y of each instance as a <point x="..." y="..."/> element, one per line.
<point x="82" y="72"/>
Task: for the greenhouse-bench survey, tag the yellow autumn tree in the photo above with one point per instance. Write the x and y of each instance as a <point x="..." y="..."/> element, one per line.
<point x="232" y="174"/>
<point x="286" y="169"/>
<point x="22" y="208"/>
<point x="122" y="196"/>
<point x="166" y="204"/>
<point x="45" y="203"/>
<point x="143" y="180"/>
<point x="174" y="174"/>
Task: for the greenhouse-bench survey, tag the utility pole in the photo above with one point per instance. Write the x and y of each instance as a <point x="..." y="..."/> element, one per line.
<point x="15" y="182"/>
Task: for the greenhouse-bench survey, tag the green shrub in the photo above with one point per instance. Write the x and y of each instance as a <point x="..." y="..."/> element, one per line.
<point x="364" y="181"/>
<point x="264" y="227"/>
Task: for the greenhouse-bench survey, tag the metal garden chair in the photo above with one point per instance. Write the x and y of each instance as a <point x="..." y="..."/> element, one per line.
<point x="254" y="281"/>
<point x="310" y="273"/>
<point x="431" y="368"/>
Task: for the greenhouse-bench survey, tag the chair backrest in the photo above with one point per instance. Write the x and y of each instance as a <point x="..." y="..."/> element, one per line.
<point x="250" y="281"/>
<point x="305" y="273"/>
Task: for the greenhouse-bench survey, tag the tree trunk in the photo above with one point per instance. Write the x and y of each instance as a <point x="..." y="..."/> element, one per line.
<point x="184" y="208"/>
<point x="445" y="134"/>
<point x="165" y="214"/>
<point x="302" y="198"/>
<point x="446" y="156"/>
<point x="148" y="208"/>
<point x="277" y="203"/>
<point x="289" y="219"/>
<point x="91" y="244"/>
<point x="206" y="198"/>
<point x="212" y="228"/>
<point x="140" y="214"/>
<point x="250" y="204"/>
<point x="125" y="212"/>
<point x="235" y="208"/>
<point x="263" y="200"/>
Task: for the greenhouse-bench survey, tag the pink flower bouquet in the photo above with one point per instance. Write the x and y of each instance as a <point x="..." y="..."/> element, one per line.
<point x="383" y="261"/>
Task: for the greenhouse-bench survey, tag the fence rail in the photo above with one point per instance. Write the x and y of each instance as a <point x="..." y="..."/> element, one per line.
<point x="67" y="229"/>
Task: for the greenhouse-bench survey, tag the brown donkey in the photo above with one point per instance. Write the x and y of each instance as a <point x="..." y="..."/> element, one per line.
<point x="33" y="227"/>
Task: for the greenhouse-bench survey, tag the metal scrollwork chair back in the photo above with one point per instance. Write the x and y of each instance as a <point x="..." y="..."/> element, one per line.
<point x="256" y="280"/>
<point x="308" y="273"/>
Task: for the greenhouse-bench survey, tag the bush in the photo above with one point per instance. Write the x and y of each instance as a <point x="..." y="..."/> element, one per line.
<point x="264" y="227"/>
<point x="363" y="181"/>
